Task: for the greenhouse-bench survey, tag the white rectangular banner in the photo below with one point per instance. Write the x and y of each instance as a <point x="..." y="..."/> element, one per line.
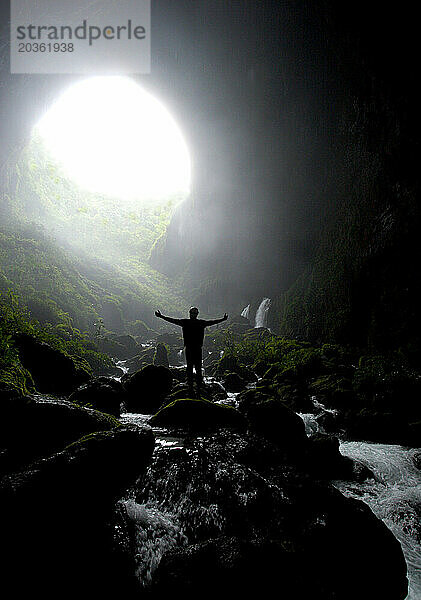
<point x="100" y="37"/>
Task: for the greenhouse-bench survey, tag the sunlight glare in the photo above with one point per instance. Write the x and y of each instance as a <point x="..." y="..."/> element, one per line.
<point x="113" y="137"/>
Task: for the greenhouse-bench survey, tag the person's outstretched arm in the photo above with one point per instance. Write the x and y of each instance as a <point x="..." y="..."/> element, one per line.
<point x="169" y="319"/>
<point x="215" y="321"/>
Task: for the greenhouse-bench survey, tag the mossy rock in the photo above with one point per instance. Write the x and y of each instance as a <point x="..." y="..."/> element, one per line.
<point x="231" y="364"/>
<point x="102" y="393"/>
<point x="113" y="348"/>
<point x="32" y="428"/>
<point x="68" y="502"/>
<point x="53" y="371"/>
<point x="197" y="415"/>
<point x="260" y="367"/>
<point x="302" y="364"/>
<point x="227" y="363"/>
<point x="15" y="379"/>
<point x="128" y="342"/>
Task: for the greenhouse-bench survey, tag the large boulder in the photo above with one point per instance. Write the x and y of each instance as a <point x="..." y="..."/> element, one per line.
<point x="102" y="393"/>
<point x="60" y="512"/>
<point x="53" y="371"/>
<point x="147" y="388"/>
<point x="257" y="525"/>
<point x="274" y="421"/>
<point x="197" y="415"/>
<point x="31" y="428"/>
<point x="369" y="565"/>
<point x="295" y="397"/>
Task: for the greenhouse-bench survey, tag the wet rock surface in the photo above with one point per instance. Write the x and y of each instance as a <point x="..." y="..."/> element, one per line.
<point x="105" y="394"/>
<point x="247" y="518"/>
<point x="58" y="518"/>
<point x="234" y="494"/>
<point x="33" y="427"/>
<point x="53" y="372"/>
<point x="197" y="415"/>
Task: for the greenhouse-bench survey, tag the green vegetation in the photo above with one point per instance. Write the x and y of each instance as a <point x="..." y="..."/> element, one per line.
<point x="15" y="319"/>
<point x="73" y="255"/>
<point x="375" y="396"/>
<point x="265" y="351"/>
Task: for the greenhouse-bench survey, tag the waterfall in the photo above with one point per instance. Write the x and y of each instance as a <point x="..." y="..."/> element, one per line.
<point x="246" y="311"/>
<point x="261" y="314"/>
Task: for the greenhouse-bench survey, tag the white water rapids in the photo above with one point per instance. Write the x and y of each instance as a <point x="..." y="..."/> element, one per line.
<point x="394" y="495"/>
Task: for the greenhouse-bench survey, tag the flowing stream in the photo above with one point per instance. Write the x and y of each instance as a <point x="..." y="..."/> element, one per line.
<point x="156" y="529"/>
<point x="393" y="494"/>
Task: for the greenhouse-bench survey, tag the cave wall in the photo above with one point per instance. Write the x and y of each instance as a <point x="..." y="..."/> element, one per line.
<point x="305" y="145"/>
<point x="363" y="285"/>
<point x="246" y="110"/>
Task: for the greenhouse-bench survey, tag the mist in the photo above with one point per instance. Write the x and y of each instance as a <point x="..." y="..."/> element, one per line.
<point x="251" y="220"/>
<point x="273" y="103"/>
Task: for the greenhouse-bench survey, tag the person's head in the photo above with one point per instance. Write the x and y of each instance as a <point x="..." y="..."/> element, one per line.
<point x="193" y="312"/>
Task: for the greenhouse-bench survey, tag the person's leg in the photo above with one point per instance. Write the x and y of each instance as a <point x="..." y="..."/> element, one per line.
<point x="198" y="368"/>
<point x="189" y="369"/>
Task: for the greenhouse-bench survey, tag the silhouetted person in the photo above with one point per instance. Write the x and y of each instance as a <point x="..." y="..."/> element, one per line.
<point x="193" y="334"/>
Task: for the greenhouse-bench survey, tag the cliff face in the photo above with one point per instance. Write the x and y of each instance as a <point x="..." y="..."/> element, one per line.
<point x="363" y="284"/>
